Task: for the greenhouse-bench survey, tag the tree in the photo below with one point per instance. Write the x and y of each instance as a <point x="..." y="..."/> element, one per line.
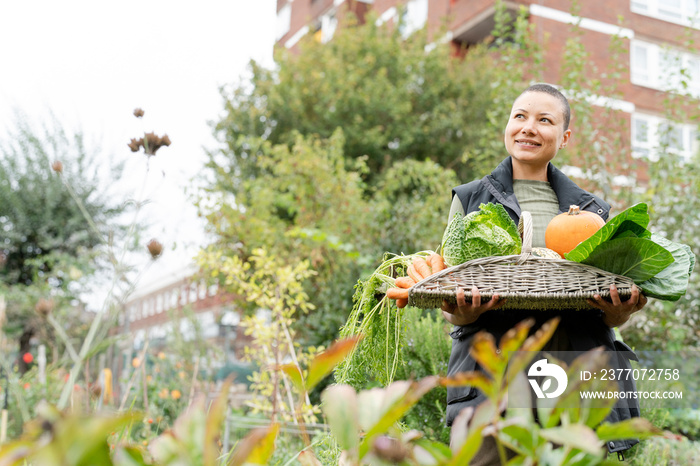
<point x="54" y="213"/>
<point x="395" y="99"/>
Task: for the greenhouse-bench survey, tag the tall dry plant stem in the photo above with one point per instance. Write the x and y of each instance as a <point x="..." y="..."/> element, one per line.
<point x="142" y="358"/>
<point x="117" y="276"/>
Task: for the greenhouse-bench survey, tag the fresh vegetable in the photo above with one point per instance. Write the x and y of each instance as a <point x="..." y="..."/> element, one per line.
<point x="544" y="252"/>
<point x="436" y="263"/>
<point x="487" y="232"/>
<point x="565" y="231"/>
<point x="422" y="267"/>
<point x="397" y="293"/>
<point x="404" y="282"/>
<point x="625" y="246"/>
<point x="671" y="283"/>
<point x="411" y="270"/>
<point x="401" y="303"/>
<point x="377" y="356"/>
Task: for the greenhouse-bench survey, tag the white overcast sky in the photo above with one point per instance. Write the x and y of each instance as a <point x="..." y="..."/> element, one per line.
<point x="92" y="62"/>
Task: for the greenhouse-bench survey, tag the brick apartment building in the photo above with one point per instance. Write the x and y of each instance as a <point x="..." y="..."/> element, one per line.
<point x="651" y="30"/>
<point x="154" y="311"/>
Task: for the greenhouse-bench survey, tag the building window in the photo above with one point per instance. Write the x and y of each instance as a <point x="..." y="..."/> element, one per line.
<point x="664" y="69"/>
<point x="159" y="303"/>
<point x="414" y="17"/>
<point x="175" y="294"/>
<point x="683" y="12"/>
<point x="329" y="23"/>
<point x="202" y="289"/>
<point x="193" y="292"/>
<point x="183" y="295"/>
<point x="284" y="21"/>
<point x="653" y="135"/>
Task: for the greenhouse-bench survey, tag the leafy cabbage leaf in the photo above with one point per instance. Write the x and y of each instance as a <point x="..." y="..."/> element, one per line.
<point x="634" y="220"/>
<point x="487" y="232"/>
<point x="453" y="240"/>
<point x="671" y="283"/>
<point x="637" y="258"/>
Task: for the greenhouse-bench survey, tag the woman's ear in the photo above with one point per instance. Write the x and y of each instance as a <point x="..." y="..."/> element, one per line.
<point x="565" y="139"/>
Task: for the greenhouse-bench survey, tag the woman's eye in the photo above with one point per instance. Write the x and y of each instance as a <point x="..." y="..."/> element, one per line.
<point x="546" y="119"/>
<point x="519" y="115"/>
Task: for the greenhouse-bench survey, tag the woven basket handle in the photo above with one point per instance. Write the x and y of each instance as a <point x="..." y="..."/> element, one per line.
<point x="525" y="230"/>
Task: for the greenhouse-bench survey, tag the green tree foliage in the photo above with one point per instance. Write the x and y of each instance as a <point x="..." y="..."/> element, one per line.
<point x="54" y="213"/>
<point x="393" y="99"/>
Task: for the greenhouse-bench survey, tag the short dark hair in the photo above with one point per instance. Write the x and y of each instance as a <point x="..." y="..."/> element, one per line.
<point x="553" y="91"/>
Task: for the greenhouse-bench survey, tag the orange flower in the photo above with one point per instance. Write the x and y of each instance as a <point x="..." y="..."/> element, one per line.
<point x="161" y="355"/>
<point x="136" y="362"/>
<point x="26" y="386"/>
<point x="176" y="394"/>
<point x="164" y="393"/>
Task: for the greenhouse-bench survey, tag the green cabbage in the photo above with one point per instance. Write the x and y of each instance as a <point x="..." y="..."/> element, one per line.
<point x="487" y="232"/>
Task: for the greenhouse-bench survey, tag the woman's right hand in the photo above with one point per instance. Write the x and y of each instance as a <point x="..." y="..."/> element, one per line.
<point x="465" y="313"/>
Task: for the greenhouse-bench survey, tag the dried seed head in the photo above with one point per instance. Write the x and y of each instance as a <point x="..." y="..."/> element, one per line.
<point x="138" y="113"/>
<point x="57" y="166"/>
<point x="44" y="306"/>
<point x="135" y="144"/>
<point x="155" y="248"/>
<point x="152" y="142"/>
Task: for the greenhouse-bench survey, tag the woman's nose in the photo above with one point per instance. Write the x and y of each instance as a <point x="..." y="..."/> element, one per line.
<point x="528" y="128"/>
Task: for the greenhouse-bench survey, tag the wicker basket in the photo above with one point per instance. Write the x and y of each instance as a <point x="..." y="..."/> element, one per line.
<point x="524" y="280"/>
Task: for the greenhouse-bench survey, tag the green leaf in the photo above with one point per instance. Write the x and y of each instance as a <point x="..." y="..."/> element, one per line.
<point x="636" y="427"/>
<point x="484" y="351"/>
<point x="475" y="379"/>
<point x="257" y="447"/>
<point x="469" y="448"/>
<point x="636" y="214"/>
<point x="340" y="408"/>
<point x="672" y="282"/>
<point x="397" y="409"/>
<point x="215" y="419"/>
<point x="452" y="241"/>
<point x="323" y="364"/>
<point x="523" y="436"/>
<point x="129" y="456"/>
<point x="294" y="373"/>
<point x="637" y="258"/>
<point x="574" y="435"/>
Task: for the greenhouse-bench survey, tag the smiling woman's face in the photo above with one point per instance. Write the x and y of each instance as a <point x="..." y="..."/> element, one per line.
<point x="535" y="130"/>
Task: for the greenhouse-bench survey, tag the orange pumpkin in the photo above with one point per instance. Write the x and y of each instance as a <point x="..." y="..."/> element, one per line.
<point x="567" y="230"/>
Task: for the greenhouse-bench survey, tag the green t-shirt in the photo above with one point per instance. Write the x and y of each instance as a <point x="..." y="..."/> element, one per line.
<point x="538" y="198"/>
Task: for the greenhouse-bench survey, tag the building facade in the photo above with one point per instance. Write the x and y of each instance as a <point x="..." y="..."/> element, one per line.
<point x="179" y="302"/>
<point x="657" y="34"/>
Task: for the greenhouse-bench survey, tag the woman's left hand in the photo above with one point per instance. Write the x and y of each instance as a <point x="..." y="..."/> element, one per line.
<point x="616" y="313"/>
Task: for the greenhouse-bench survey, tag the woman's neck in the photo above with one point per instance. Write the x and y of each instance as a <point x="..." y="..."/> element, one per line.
<point x="529" y="172"/>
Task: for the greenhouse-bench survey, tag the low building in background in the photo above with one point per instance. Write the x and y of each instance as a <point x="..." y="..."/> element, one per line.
<point x="181" y="307"/>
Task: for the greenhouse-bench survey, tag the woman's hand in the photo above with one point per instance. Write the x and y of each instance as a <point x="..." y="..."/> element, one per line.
<point x="616" y="313"/>
<point x="465" y="313"/>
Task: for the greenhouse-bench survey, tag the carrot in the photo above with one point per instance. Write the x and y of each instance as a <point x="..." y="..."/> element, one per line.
<point x="437" y="263"/>
<point x="404" y="282"/>
<point x="396" y="293"/>
<point x="422" y="267"/>
<point x="411" y="271"/>
<point x="401" y="303"/>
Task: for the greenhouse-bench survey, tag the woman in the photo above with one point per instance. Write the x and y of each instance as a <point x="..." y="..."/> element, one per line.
<point x="537" y="128"/>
